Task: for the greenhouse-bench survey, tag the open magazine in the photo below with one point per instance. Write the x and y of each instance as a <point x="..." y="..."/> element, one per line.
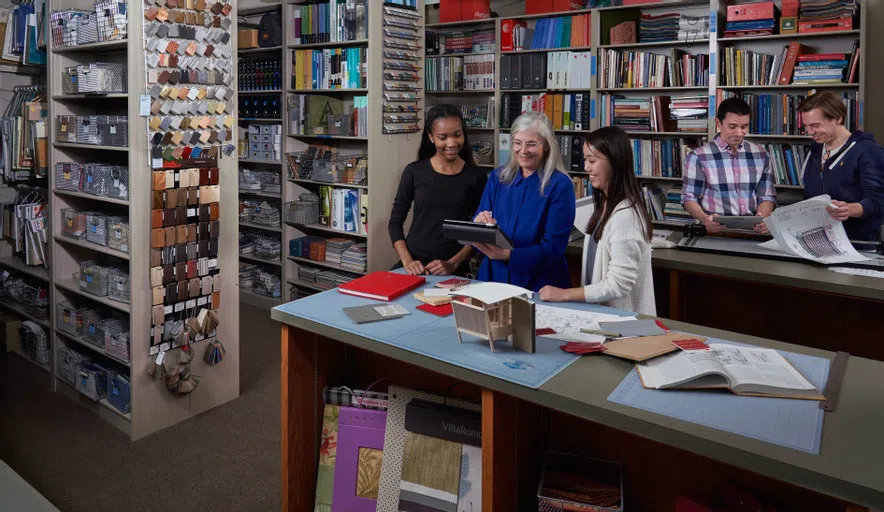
<point x="750" y="371"/>
<point x="806" y="230"/>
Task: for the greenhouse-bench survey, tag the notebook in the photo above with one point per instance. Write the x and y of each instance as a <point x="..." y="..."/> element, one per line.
<point x="382" y="285"/>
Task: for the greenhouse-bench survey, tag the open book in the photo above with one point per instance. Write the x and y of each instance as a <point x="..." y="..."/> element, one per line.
<point x="750" y="371"/>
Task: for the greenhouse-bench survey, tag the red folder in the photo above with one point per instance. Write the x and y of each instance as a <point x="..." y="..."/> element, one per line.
<point x="382" y="285"/>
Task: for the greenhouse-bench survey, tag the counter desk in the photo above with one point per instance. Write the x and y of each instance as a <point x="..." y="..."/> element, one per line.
<point x="662" y="457"/>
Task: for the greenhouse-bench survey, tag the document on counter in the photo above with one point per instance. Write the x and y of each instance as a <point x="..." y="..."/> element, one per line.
<point x="806" y="230"/>
<point x="567" y="323"/>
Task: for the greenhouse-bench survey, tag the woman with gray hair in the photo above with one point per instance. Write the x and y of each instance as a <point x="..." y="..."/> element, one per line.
<point x="532" y="200"/>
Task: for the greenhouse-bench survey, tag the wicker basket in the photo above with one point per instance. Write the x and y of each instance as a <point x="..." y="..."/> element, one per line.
<point x="303" y="211"/>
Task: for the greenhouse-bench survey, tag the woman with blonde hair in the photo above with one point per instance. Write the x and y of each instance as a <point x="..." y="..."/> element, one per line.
<point x="532" y="200"/>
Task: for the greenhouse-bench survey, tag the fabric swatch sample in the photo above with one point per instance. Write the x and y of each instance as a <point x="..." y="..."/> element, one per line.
<point x="328" y="449"/>
<point x="469" y="495"/>
<point x="430" y="474"/>
<point x="368" y="472"/>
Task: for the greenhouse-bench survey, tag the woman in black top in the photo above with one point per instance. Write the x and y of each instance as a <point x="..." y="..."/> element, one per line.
<point x="443" y="184"/>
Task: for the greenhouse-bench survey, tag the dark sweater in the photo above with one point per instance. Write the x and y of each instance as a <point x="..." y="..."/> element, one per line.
<point x="436" y="197"/>
<point x="854" y="175"/>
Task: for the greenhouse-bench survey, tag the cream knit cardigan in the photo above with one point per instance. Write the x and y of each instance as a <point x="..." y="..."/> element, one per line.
<point x="621" y="275"/>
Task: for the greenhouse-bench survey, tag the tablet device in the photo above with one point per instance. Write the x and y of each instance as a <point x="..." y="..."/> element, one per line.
<point x="739" y="221"/>
<point x="467" y="233"/>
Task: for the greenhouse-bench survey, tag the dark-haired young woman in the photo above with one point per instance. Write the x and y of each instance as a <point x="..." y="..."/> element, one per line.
<point x="617" y="249"/>
<point x="443" y="183"/>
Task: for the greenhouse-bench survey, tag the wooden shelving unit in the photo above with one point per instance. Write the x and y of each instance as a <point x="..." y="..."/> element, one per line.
<point x="830" y="41"/>
<point x="152" y="406"/>
<point x="387" y="155"/>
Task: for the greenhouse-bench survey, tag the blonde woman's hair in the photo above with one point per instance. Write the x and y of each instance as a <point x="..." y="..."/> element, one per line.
<point x="552" y="159"/>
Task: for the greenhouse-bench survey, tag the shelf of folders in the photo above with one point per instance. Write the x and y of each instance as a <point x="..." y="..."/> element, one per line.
<point x="401" y="75"/>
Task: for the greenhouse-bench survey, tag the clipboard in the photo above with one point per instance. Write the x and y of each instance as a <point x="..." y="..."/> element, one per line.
<point x="467" y="233"/>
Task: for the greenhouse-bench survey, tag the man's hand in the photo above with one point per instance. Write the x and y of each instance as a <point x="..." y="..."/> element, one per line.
<point x="553" y="294"/>
<point x="415" y="268"/>
<point x="844" y="211"/>
<point x="440" y="267"/>
<point x="711" y="225"/>
<point x="493" y="252"/>
<point x="761" y="227"/>
<point x="485" y="218"/>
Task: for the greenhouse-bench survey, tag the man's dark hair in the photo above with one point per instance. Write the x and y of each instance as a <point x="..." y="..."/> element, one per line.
<point x="732" y="106"/>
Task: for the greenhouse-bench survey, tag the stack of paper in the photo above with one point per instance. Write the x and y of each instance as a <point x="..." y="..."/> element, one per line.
<point x="355" y="258"/>
<point x="334" y="249"/>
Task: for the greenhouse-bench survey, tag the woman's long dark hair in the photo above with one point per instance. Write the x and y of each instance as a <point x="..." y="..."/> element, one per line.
<point x="428" y="149"/>
<point x="613" y="143"/>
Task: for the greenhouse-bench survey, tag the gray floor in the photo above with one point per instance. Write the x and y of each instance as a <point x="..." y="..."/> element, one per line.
<point x="226" y="459"/>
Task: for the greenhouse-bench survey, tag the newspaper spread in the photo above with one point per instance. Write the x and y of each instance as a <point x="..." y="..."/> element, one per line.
<point x="807" y="230"/>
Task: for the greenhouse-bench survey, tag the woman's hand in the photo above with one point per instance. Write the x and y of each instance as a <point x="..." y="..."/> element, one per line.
<point x="493" y="252"/>
<point x="553" y="294"/>
<point x="414" y="268"/>
<point x="485" y="218"/>
<point x="440" y="267"/>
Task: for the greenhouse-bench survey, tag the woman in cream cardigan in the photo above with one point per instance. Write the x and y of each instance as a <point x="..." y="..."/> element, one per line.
<point x="617" y="248"/>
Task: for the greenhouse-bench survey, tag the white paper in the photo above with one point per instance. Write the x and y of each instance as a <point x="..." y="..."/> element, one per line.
<point x="391" y="310"/>
<point x="568" y="322"/>
<point x="435" y="292"/>
<point x="806" y="230"/>
<point x="585" y="207"/>
<point x="865" y="272"/>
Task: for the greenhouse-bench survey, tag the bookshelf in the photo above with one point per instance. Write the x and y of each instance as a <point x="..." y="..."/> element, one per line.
<point x="271" y="169"/>
<point x="387" y="154"/>
<point x="710" y="44"/>
<point x="153" y="407"/>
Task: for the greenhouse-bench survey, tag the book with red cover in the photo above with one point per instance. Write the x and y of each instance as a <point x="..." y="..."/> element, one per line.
<point x="382" y="285"/>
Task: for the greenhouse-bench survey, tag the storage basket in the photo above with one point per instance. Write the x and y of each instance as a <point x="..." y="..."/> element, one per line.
<point x="119" y="393"/>
<point x="118" y="233"/>
<point x="300" y="165"/>
<point x="118" y="184"/>
<point x="483" y="152"/>
<point x="296" y="293"/>
<point x="93" y="327"/>
<point x="102" y="77"/>
<point x="34" y="342"/>
<point x="96" y="228"/>
<point x="87" y="28"/>
<point x="73" y="223"/>
<point x="118" y="288"/>
<point x="69" y="363"/>
<point x="95" y="178"/>
<point x="69" y="319"/>
<point x="247" y="275"/>
<point x="68" y="176"/>
<point x="111" y="19"/>
<point x="599" y="484"/>
<point x="66" y="128"/>
<point x="94" y="278"/>
<point x="303" y="211"/>
<point x="92" y="380"/>
<point x="268" y="248"/>
<point x="268" y="285"/>
<point x="69" y="80"/>
<point x="116" y="338"/>
<point x="113" y="131"/>
<point x="87" y="129"/>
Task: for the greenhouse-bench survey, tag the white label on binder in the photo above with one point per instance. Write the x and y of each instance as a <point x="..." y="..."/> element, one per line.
<point x="144" y="105"/>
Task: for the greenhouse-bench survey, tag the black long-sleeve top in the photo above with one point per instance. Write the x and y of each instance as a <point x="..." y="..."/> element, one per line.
<point x="436" y="197"/>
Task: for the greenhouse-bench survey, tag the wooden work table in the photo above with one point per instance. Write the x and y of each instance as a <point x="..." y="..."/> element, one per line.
<point x="801" y="303"/>
<point x="662" y="457"/>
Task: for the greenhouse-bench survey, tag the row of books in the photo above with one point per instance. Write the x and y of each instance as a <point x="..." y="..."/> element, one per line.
<point x="331" y="68"/>
<point x="660" y="158"/>
<point x="553" y="70"/>
<point x="777" y="114"/>
<point x="560" y="32"/>
<point x="565" y="111"/>
<point x="787" y="162"/>
<point x="343" y="209"/>
<point x="334" y="20"/>
<point x="464" y="41"/>
<point x="479" y="116"/>
<point x="317" y="114"/>
<point x="796" y="64"/>
<point x="655" y="113"/>
<point x="635" y="69"/>
<point x="582" y="187"/>
<point x="466" y="73"/>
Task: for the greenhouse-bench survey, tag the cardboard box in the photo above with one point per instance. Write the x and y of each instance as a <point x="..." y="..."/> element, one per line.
<point x="450" y="10"/>
<point x="475" y="9"/>
<point x="9" y="331"/>
<point x="752" y="12"/>
<point x="248" y="38"/>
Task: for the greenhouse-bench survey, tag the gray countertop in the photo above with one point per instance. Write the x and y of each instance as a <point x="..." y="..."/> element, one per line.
<point x="806" y="276"/>
<point x="850" y="465"/>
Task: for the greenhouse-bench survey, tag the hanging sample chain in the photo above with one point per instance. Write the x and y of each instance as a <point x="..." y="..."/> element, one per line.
<point x="401" y="84"/>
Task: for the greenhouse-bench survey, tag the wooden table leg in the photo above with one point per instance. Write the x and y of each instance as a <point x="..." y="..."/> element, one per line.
<point x="674" y="295"/>
<point x="298" y="419"/>
<point x="498" y="452"/>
